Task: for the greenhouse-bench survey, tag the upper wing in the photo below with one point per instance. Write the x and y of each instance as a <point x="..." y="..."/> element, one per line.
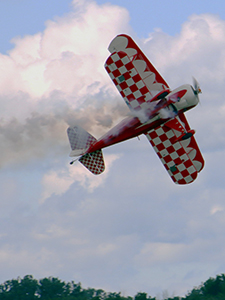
<point x="151" y="77"/>
<point x="127" y="80"/>
<point x="181" y="158"/>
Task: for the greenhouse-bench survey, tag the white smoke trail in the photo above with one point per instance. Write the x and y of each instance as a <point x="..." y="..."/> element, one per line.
<point x="43" y="134"/>
<point x="165" y="113"/>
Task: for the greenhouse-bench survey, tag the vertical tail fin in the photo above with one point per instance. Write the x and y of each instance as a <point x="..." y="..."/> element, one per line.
<point x="80" y="141"/>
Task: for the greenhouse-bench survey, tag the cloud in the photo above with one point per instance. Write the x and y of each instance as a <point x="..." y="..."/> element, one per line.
<point x="69" y="54"/>
<point x="200" y="39"/>
<point x="57" y="182"/>
<point x="62" y="68"/>
<point x="198" y="50"/>
<point x="56" y="78"/>
<point x="131" y="218"/>
<point x="40" y="135"/>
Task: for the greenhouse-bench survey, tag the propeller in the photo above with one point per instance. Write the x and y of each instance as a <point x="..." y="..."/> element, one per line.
<point x="197" y="89"/>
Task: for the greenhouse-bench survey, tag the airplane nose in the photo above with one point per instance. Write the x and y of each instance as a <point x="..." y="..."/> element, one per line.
<point x="194" y="100"/>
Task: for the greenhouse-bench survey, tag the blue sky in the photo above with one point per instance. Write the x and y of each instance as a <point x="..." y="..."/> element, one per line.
<point x="148" y="14"/>
<point x="29" y="16"/>
<point x="130" y="229"/>
<point x="22" y="17"/>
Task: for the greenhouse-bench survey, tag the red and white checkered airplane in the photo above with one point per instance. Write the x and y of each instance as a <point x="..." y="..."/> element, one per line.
<point x="156" y="112"/>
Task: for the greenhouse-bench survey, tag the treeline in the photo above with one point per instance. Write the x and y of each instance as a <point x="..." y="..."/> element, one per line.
<point x="52" y="288"/>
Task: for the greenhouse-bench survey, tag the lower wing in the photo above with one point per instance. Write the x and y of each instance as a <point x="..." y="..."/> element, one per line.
<point x="181" y="158"/>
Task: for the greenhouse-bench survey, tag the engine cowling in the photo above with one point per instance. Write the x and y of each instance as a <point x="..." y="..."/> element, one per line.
<point x="184" y="97"/>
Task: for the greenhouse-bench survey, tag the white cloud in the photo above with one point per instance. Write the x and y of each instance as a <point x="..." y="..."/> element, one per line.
<point x="50" y="74"/>
<point x="215" y="209"/>
<point x="131" y="218"/>
<point x="68" y="56"/>
<point x="199" y="48"/>
<point x="59" y="181"/>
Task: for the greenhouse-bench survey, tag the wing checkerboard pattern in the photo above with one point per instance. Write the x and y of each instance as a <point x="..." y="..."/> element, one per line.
<point x="191" y="147"/>
<point x="127" y="80"/>
<point x="79" y="138"/>
<point x="172" y="154"/>
<point x="151" y="77"/>
<point x="94" y="162"/>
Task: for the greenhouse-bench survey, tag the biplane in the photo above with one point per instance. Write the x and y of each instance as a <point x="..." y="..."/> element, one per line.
<point x="156" y="111"/>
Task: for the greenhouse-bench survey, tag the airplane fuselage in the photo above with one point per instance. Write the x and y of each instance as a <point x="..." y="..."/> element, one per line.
<point x="155" y="114"/>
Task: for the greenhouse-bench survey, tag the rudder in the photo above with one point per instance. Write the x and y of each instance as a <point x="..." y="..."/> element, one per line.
<point x="80" y="140"/>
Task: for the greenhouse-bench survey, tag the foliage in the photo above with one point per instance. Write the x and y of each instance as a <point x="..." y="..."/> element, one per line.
<point x="212" y="289"/>
<point x="52" y="288"/>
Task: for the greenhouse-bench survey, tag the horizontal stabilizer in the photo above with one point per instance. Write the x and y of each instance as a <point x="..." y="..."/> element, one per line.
<point x="94" y="162"/>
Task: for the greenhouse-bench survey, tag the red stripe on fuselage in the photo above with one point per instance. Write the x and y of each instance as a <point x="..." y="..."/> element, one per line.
<point x="127" y="129"/>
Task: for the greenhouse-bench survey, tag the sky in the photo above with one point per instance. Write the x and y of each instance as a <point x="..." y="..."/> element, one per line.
<point x="130" y="229"/>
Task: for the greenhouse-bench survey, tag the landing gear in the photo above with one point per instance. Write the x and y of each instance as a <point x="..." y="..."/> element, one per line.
<point x="186" y="135"/>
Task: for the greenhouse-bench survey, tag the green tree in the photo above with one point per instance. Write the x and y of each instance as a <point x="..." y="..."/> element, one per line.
<point x="142" y="296"/>
<point x="29" y="287"/>
<point x="19" y="289"/>
<point x="50" y="288"/>
<point x="76" y="291"/>
<point x="213" y="286"/>
<point x="211" y="289"/>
